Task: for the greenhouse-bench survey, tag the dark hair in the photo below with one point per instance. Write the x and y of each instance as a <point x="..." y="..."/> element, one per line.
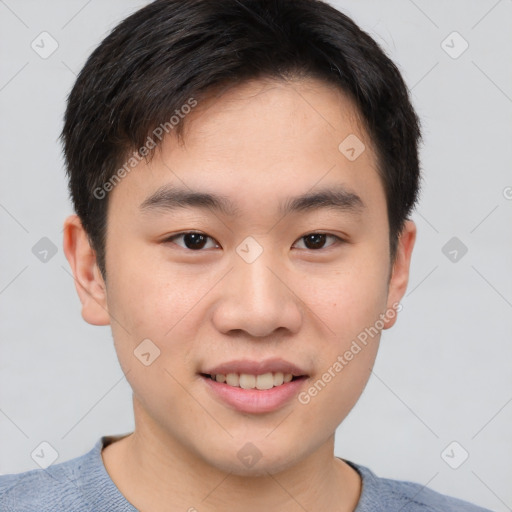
<point x="171" y="51"/>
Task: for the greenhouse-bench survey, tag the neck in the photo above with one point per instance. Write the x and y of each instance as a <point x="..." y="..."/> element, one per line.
<point x="157" y="473"/>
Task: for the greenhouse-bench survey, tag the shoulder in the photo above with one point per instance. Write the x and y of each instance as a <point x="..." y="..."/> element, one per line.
<point x="386" y="494"/>
<point x="59" y="487"/>
<point x="33" y="489"/>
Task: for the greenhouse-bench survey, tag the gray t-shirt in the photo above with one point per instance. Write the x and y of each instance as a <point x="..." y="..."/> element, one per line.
<point x="82" y="484"/>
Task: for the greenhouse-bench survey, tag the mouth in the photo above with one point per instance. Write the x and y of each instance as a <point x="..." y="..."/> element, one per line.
<point x="254" y="386"/>
<point x="248" y="381"/>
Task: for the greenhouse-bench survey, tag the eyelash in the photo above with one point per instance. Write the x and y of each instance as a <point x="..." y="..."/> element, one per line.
<point x="171" y="239"/>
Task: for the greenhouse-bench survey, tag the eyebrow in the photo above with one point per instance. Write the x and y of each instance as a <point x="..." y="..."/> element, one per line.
<point x="168" y="198"/>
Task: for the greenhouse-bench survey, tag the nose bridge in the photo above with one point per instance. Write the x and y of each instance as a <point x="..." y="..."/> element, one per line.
<point x="255" y="297"/>
<point x="258" y="278"/>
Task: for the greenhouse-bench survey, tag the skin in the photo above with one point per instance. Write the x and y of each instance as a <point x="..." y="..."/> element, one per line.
<point x="256" y="144"/>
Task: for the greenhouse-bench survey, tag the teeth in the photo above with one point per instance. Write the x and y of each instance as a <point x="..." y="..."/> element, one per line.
<point x="232" y="379"/>
<point x="247" y="381"/>
<point x="265" y="381"/>
<point x="278" y="379"/>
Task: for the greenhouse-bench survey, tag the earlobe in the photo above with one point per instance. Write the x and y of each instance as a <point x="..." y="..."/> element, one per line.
<point x="89" y="283"/>
<point x="400" y="274"/>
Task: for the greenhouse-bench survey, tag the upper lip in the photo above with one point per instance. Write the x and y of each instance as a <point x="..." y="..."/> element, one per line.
<point x="256" y="367"/>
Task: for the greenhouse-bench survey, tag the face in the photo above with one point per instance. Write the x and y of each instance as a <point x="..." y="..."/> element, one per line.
<point x="278" y="270"/>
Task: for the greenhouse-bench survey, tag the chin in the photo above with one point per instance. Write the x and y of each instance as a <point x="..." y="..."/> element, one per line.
<point x="253" y="462"/>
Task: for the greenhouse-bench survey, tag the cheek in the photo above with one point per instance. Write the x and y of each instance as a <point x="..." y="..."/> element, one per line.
<point x="155" y="300"/>
<point x="153" y="330"/>
<point x="346" y="349"/>
<point x="349" y="298"/>
<point x="151" y="295"/>
<point x="331" y="395"/>
<point x="349" y="305"/>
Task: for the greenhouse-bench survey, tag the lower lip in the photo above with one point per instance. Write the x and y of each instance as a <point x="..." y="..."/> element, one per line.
<point x="255" y="400"/>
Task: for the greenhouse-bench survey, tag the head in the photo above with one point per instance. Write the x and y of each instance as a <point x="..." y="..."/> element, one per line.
<point x="283" y="137"/>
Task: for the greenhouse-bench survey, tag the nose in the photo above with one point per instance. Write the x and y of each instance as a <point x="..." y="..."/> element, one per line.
<point x="258" y="298"/>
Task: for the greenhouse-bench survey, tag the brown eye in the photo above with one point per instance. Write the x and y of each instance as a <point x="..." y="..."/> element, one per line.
<point x="191" y="240"/>
<point x="316" y="241"/>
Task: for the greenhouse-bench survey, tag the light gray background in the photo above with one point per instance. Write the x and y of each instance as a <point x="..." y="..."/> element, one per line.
<point x="443" y="373"/>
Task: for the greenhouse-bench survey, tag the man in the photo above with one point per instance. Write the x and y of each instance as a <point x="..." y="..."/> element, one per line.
<point x="242" y="174"/>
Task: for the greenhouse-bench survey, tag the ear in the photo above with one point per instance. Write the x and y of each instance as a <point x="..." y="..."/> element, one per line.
<point x="400" y="274"/>
<point x="89" y="283"/>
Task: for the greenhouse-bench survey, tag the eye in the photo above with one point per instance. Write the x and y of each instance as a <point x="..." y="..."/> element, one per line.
<point x="316" y="241"/>
<point x="192" y="240"/>
<point x="195" y="241"/>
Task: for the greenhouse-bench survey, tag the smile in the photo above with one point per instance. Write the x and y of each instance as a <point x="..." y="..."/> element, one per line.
<point x="254" y="387"/>
<point x="248" y="381"/>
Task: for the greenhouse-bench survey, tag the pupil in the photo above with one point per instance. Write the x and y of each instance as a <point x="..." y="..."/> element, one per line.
<point x="318" y="240"/>
<point x="197" y="241"/>
<point x="194" y="240"/>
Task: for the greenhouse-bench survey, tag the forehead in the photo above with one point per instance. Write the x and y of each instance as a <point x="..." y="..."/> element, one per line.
<point x="293" y="107"/>
<point x="261" y="141"/>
